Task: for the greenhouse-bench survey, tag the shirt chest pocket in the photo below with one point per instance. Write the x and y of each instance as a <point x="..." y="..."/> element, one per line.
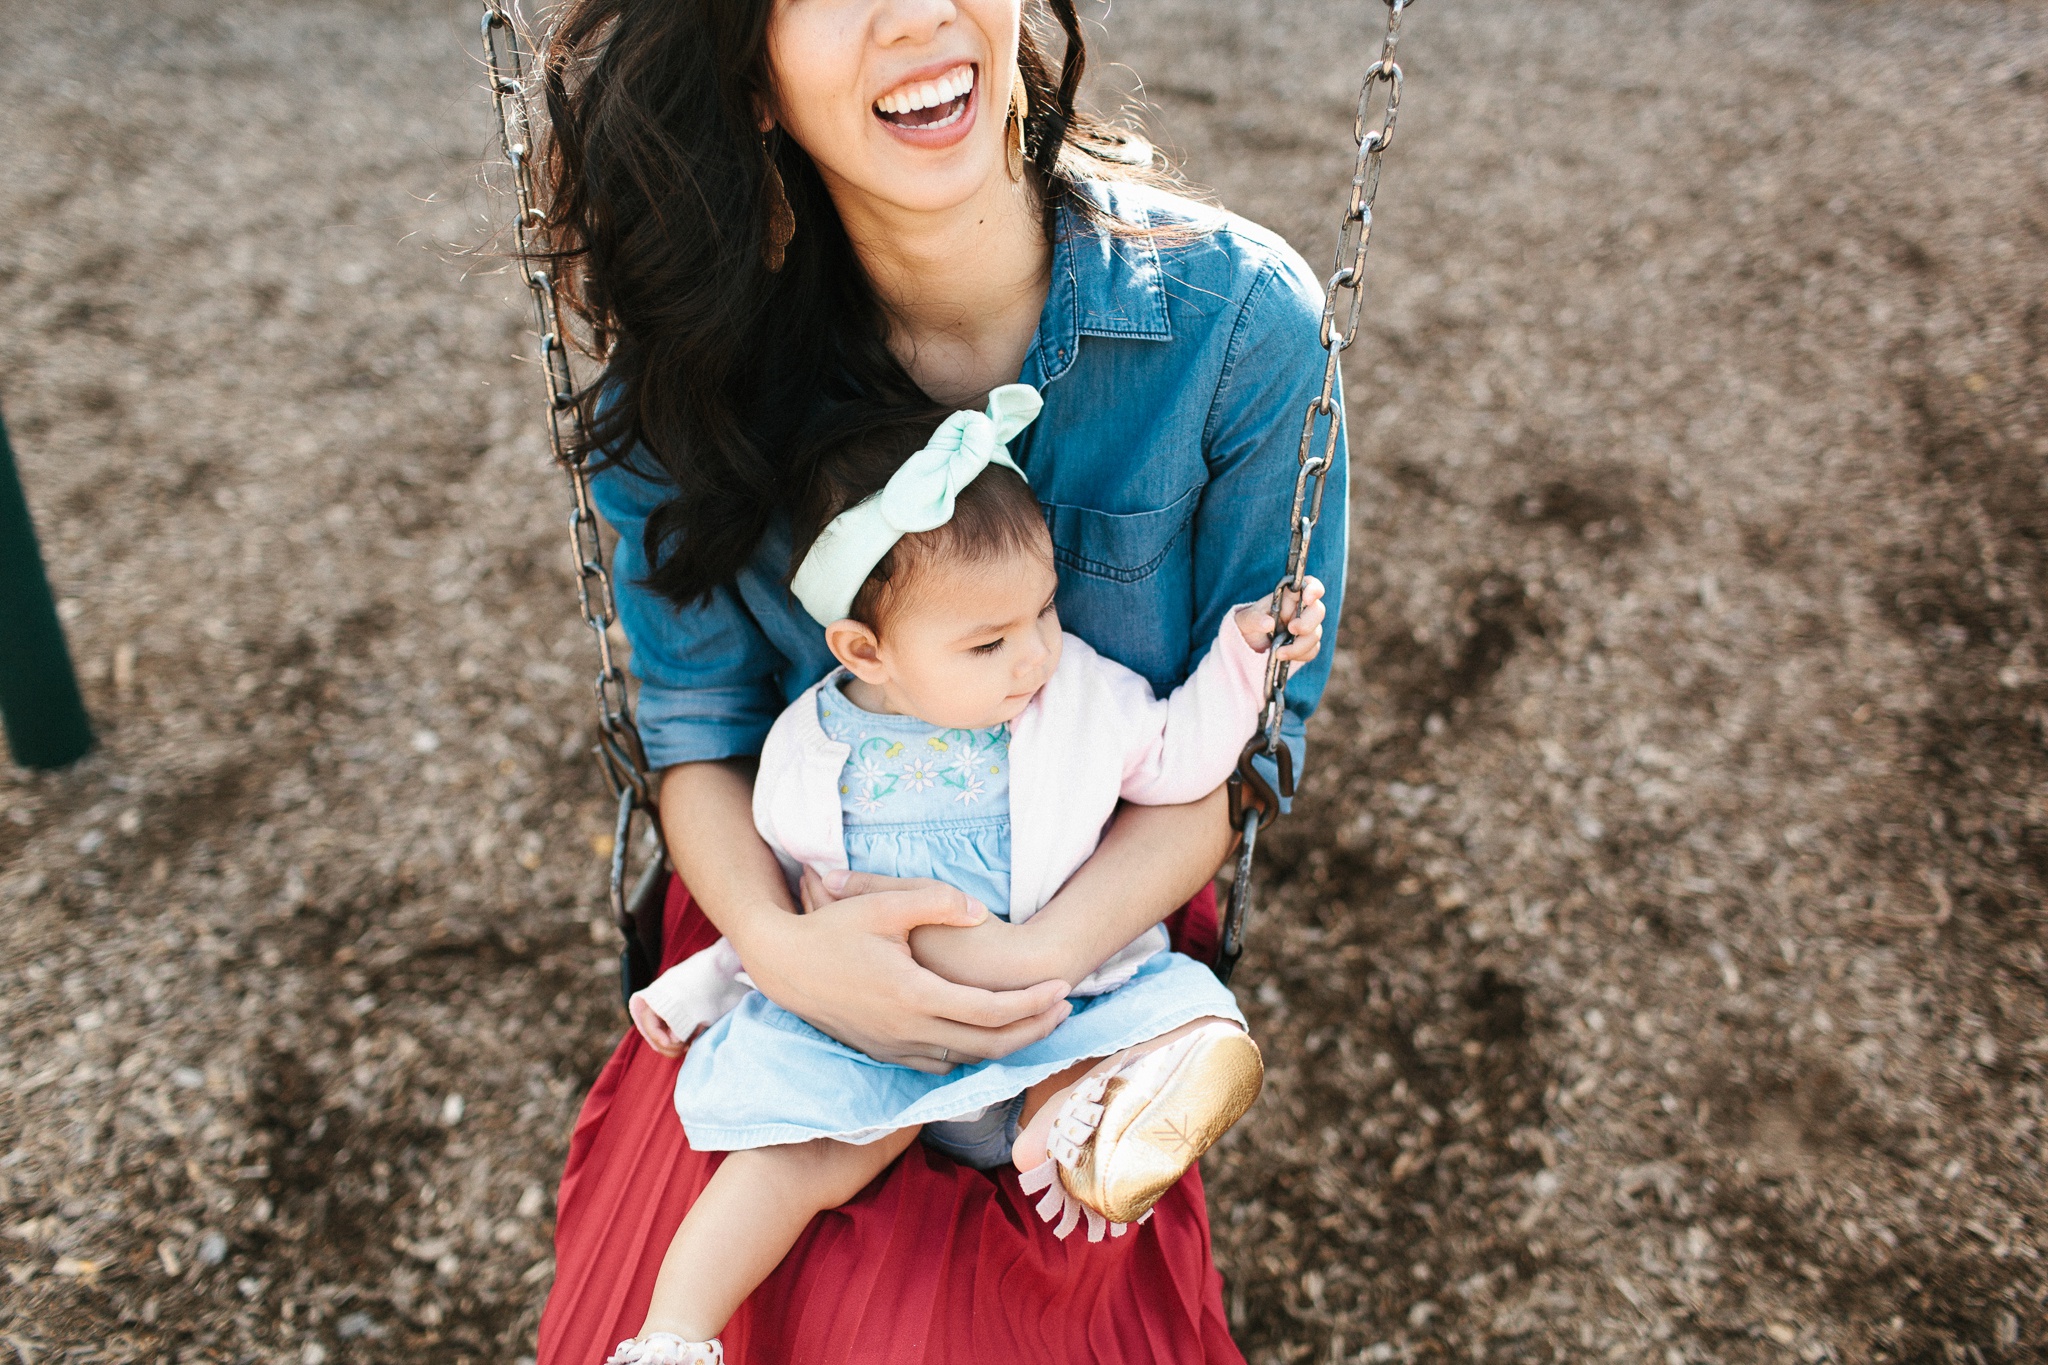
<point x="1122" y="547"/>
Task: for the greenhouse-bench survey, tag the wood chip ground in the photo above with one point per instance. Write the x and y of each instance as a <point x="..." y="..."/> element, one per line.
<point x="1653" y="971"/>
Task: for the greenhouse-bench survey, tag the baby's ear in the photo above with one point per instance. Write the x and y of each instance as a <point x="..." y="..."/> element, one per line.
<point x="858" y="648"/>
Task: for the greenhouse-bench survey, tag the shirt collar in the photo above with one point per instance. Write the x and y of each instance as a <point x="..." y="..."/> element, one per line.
<point x="1102" y="285"/>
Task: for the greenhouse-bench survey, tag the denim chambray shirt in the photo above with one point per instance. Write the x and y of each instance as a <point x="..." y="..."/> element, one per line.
<point x="1175" y="375"/>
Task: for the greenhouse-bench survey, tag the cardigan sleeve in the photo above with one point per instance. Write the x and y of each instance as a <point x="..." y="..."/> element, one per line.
<point x="1181" y="747"/>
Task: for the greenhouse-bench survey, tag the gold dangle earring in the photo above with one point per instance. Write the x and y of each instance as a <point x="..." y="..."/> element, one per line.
<point x="1020" y="109"/>
<point x="781" y="224"/>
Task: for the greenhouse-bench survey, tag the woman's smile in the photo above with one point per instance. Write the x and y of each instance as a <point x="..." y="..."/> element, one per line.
<point x="934" y="107"/>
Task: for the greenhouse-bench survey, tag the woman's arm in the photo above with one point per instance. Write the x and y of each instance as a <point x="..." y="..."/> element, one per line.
<point x="846" y="968"/>
<point x="1151" y="860"/>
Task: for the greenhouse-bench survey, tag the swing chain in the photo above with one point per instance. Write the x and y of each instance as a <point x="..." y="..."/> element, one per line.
<point x="619" y="752"/>
<point x="1254" y="800"/>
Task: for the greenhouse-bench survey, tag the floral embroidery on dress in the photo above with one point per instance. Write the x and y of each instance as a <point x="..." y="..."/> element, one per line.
<point x="873" y="776"/>
<point x="870" y="758"/>
<point x="968" y="753"/>
<point x="889" y="770"/>
<point x="917" y="799"/>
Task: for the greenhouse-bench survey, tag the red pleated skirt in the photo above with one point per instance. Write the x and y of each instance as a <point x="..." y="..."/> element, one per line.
<point x="933" y="1264"/>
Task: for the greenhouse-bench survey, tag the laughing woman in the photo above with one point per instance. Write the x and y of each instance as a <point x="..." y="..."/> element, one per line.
<point x="778" y="216"/>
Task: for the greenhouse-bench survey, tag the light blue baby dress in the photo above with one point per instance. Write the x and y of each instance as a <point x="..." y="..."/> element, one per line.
<point x="924" y="801"/>
<point x="916" y="801"/>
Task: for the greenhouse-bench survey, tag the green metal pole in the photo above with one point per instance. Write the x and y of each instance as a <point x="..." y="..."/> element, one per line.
<point x="46" y="723"/>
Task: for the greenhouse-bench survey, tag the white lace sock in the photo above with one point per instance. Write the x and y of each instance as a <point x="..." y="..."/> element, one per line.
<point x="666" y="1348"/>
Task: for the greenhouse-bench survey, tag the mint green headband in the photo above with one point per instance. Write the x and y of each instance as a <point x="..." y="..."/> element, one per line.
<point x="918" y="497"/>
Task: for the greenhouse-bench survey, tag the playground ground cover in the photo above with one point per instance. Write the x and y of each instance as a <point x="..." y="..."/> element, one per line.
<point x="1653" y="968"/>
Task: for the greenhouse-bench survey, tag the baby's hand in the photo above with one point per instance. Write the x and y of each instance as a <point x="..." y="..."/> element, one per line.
<point x="655" y="1029"/>
<point x="1304" y="617"/>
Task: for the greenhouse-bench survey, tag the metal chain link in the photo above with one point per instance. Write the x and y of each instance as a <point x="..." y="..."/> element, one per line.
<point x="619" y="751"/>
<point x="1253" y="800"/>
<point x="619" y="743"/>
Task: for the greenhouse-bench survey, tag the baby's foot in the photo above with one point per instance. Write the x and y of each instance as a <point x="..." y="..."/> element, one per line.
<point x="1031" y="1147"/>
<point x="666" y="1348"/>
<point x="1131" y="1128"/>
<point x="1160" y="1112"/>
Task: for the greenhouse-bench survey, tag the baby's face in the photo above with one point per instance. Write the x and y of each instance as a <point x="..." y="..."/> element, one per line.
<point x="970" y="644"/>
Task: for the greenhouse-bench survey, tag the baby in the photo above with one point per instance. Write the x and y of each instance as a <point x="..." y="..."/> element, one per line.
<point x="965" y="739"/>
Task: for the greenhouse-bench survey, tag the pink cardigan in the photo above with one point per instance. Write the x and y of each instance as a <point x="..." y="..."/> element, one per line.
<point x="1092" y="736"/>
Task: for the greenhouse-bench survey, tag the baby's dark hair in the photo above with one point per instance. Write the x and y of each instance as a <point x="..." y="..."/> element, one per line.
<point x="995" y="515"/>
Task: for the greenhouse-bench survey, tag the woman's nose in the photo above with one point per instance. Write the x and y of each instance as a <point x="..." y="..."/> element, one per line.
<point x="912" y="22"/>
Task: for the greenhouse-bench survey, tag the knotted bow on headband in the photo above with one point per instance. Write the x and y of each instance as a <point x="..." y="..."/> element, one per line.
<point x="919" y="497"/>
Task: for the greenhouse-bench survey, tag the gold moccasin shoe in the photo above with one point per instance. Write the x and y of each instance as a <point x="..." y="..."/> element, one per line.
<point x="1158" y="1115"/>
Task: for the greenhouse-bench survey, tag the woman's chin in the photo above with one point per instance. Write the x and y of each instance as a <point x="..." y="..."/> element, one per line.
<point x="926" y="197"/>
<point x="923" y="178"/>
<point x="918" y="185"/>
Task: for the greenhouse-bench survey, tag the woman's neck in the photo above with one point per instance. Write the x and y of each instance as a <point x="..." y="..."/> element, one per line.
<point x="963" y="286"/>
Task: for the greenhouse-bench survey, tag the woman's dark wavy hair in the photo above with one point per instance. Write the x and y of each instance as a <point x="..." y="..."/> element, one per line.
<point x="734" y="381"/>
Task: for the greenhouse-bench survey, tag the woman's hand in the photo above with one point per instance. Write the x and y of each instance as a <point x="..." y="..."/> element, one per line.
<point x="847" y="968"/>
<point x="1150" y="861"/>
<point x="992" y="953"/>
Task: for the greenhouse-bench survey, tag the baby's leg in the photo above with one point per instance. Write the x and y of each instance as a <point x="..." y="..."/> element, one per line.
<point x="1042" y="1101"/>
<point x="758" y="1203"/>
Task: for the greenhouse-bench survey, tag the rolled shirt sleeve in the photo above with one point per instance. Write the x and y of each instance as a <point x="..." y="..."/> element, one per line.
<point x="1272" y="374"/>
<point x="708" y="672"/>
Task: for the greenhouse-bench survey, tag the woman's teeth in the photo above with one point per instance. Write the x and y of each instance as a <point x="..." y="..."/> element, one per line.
<point x="929" y="104"/>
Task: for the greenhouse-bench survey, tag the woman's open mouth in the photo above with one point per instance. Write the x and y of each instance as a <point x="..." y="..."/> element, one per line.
<point x="930" y="106"/>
